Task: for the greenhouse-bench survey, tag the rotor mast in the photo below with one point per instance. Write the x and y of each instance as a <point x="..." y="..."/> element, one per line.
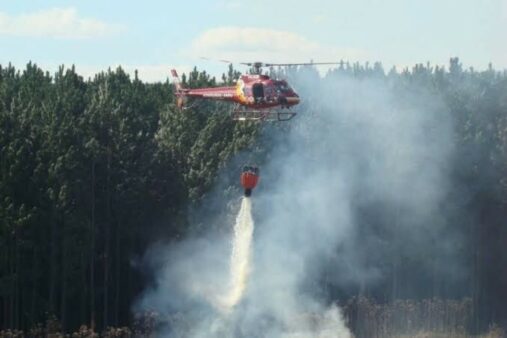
<point x="257" y="68"/>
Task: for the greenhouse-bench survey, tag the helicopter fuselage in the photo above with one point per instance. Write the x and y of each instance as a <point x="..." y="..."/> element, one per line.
<point x="254" y="91"/>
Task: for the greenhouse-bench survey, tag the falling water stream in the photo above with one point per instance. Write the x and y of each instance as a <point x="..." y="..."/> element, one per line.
<point x="239" y="267"/>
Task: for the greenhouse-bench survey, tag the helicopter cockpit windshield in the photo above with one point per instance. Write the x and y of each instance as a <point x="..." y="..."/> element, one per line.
<point x="282" y="87"/>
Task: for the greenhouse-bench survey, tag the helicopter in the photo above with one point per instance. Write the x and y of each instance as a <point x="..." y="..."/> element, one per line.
<point x="256" y="96"/>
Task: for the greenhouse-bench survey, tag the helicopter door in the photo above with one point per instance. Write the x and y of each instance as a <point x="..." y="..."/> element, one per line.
<point x="258" y="92"/>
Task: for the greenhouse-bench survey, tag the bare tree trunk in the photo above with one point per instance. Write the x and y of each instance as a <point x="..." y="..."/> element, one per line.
<point x="395" y="260"/>
<point x="35" y="274"/>
<point x="117" y="275"/>
<point x="107" y="240"/>
<point x="6" y="300"/>
<point x="16" y="289"/>
<point x="63" y="309"/>
<point x="92" y="254"/>
<point x="52" y="264"/>
<point x="10" y="311"/>
<point x="476" y="292"/>
<point x="5" y="304"/>
<point x="85" y="295"/>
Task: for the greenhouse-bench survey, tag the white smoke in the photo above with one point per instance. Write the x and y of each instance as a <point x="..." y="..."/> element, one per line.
<point x="355" y="143"/>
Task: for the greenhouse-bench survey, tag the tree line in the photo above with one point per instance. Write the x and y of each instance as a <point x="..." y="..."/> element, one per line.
<point x="94" y="170"/>
<point x="89" y="169"/>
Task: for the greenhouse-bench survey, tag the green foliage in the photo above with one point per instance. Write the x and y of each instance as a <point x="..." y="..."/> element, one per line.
<point x="93" y="171"/>
<point x="89" y="172"/>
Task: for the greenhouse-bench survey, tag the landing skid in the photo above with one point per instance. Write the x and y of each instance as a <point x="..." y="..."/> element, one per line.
<point x="261" y="115"/>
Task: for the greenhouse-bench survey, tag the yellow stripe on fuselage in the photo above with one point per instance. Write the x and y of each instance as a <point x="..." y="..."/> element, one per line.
<point x="239" y="92"/>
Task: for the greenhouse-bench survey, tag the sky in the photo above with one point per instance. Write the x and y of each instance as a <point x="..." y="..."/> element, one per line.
<point x="154" y="36"/>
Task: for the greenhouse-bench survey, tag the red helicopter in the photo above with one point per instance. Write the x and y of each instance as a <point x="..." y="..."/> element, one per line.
<point x="256" y="97"/>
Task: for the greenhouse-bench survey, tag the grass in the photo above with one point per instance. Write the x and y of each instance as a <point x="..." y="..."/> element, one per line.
<point x="429" y="318"/>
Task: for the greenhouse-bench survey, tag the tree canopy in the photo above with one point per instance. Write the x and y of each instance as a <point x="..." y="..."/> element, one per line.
<point x="93" y="170"/>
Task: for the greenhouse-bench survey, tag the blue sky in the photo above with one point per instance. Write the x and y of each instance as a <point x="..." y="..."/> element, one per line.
<point x="154" y="36"/>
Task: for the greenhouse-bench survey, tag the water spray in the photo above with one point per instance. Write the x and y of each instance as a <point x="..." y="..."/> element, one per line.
<point x="239" y="267"/>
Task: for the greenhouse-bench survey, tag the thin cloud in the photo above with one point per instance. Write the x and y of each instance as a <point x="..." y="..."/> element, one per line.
<point x="64" y="23"/>
<point x="250" y="44"/>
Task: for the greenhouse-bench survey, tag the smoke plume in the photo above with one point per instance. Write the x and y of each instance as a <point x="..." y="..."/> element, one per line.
<point x="355" y="180"/>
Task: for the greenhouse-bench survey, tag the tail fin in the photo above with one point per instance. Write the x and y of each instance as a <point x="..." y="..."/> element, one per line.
<point x="180" y="93"/>
<point x="176" y="80"/>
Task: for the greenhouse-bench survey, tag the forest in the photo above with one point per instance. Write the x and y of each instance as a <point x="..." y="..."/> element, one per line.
<point x="94" y="171"/>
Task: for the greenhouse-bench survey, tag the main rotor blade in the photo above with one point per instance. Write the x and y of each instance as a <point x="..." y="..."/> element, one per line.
<point x="302" y="64"/>
<point x="270" y="64"/>
<point x="219" y="60"/>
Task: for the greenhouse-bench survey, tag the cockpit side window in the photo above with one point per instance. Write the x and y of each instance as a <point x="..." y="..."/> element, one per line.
<point x="268" y="90"/>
